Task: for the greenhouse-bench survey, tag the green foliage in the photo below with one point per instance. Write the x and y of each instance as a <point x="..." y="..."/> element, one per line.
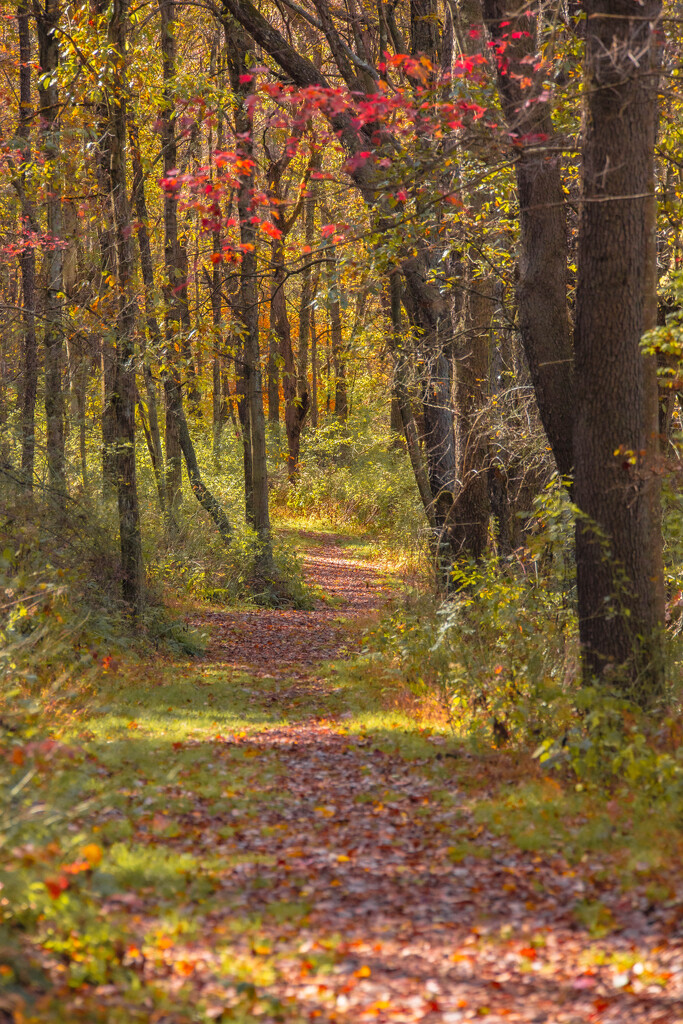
<point x="357" y="474"/>
<point x="501" y="653"/>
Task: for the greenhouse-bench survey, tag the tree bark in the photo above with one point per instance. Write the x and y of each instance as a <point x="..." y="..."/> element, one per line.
<point x="153" y="331"/>
<point x="401" y="392"/>
<point x="238" y="46"/>
<point x="543" y="253"/>
<point x="471" y="510"/>
<point x="53" y="341"/>
<point x="125" y="390"/>
<point x="29" y="379"/>
<point x="173" y="288"/>
<point x="618" y="538"/>
<point x="341" y="397"/>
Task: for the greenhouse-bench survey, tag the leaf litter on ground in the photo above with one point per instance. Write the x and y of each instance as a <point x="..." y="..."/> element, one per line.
<point x="258" y="852"/>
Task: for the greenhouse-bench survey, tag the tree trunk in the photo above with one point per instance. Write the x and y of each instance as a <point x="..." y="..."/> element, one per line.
<point x="125" y="390"/>
<point x="402" y="398"/>
<point x="107" y="244"/>
<point x="173" y="288"/>
<point x="29" y="379"/>
<point x="314" y="372"/>
<point x="238" y="46"/>
<point x="307" y="292"/>
<point x="273" y="378"/>
<point x="618" y="538"/>
<point x="341" y="398"/>
<point x="153" y="331"/>
<point x="470" y="514"/>
<point x="53" y="340"/>
<point x="543" y="253"/>
<point x="295" y="407"/>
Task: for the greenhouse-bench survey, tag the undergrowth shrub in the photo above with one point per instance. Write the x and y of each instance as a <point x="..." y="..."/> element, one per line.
<point x="356" y="474"/>
<point x="501" y="652"/>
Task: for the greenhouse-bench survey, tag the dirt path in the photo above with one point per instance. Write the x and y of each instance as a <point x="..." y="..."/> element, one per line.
<point x="380" y="898"/>
<point x="286" y="643"/>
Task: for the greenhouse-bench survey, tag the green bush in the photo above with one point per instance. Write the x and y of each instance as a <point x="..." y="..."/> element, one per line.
<point x="357" y="474"/>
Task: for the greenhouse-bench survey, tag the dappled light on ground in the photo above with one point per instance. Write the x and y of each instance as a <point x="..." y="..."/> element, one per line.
<point x="260" y="853"/>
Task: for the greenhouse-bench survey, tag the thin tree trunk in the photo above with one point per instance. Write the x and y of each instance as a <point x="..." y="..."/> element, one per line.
<point x="470" y="514"/>
<point x="125" y="387"/>
<point x="618" y="538"/>
<point x="307" y="293"/>
<point x="238" y="46"/>
<point x="46" y="20"/>
<point x="314" y="372"/>
<point x="402" y="398"/>
<point x="107" y="244"/>
<point x="295" y="408"/>
<point x="173" y="260"/>
<point x="153" y="331"/>
<point x="273" y="378"/>
<point x="341" y="397"/>
<point x="29" y="380"/>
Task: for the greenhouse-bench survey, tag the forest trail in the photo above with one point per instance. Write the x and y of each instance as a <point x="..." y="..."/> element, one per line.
<point x="269" y="855"/>
<point x="284" y="642"/>
<point x="378" y="895"/>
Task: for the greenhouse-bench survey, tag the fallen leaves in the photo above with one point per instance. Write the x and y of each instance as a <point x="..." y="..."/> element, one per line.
<point x="297" y="872"/>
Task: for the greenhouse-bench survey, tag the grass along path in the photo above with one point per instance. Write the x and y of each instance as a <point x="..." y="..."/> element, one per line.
<point x="250" y="836"/>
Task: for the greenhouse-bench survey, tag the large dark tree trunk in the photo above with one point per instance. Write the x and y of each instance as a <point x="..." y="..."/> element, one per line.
<point x="542" y="286"/>
<point x="53" y="340"/>
<point x="29" y="379"/>
<point x="618" y="540"/>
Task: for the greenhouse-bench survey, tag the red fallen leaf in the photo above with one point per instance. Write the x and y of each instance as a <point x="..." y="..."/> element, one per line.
<point x="56" y="885"/>
<point x="529" y="952"/>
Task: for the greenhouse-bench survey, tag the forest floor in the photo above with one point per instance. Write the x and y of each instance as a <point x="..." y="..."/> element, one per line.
<point x="262" y="838"/>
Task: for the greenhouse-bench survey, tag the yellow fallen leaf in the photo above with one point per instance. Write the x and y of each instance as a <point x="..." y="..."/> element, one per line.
<point x="363" y="972"/>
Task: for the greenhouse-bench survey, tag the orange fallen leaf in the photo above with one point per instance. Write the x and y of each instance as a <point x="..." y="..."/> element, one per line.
<point x="92" y="853"/>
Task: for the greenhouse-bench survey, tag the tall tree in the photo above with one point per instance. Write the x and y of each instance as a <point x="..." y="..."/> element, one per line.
<point x="239" y="49"/>
<point x="618" y="538"/>
<point x="125" y="391"/>
<point x="175" y="287"/>
<point x="29" y="377"/>
<point x="543" y="252"/>
<point x="47" y="21"/>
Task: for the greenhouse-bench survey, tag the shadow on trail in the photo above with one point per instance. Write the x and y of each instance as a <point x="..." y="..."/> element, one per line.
<point x="326" y="849"/>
